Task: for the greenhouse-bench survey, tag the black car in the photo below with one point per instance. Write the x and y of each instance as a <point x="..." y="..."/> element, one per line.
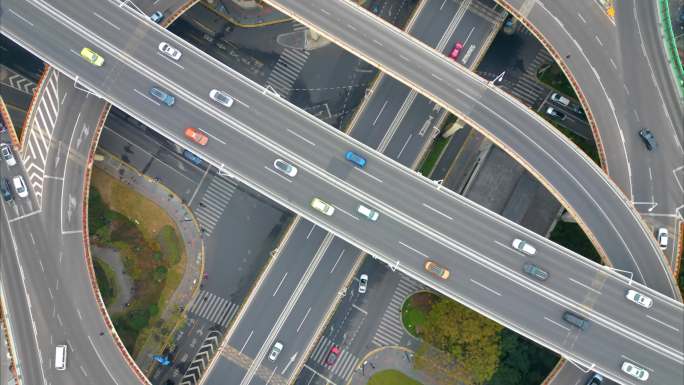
<point x="6" y="190"/>
<point x="575" y="320"/>
<point x="595" y="379"/>
<point x="648" y="138"/>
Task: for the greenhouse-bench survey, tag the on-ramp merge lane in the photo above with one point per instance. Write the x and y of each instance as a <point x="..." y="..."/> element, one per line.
<point x="582" y="187"/>
<point x="51" y="39"/>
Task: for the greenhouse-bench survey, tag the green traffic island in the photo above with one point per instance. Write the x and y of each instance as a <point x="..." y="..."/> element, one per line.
<point x="391" y="377"/>
<point x="552" y="75"/>
<point x="459" y="345"/>
<point x="152" y="255"/>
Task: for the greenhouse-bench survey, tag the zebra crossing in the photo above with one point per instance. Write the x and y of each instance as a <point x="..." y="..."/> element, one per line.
<point x="528" y="89"/>
<point x="391" y="330"/>
<point x="42" y="124"/>
<point x="199" y="362"/>
<point x="286" y="70"/>
<point x="213" y="308"/>
<point x="214" y="201"/>
<point x="345" y="364"/>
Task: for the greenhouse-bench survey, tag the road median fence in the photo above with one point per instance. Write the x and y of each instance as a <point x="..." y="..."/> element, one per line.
<point x="671" y="45"/>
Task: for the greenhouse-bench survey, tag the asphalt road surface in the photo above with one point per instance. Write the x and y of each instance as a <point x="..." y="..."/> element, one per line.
<point x="395" y="226"/>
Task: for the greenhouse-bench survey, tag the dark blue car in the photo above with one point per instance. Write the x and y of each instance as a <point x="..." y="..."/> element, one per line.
<point x="196" y="160"/>
<point x="6" y="190"/>
<point x="355" y="158"/>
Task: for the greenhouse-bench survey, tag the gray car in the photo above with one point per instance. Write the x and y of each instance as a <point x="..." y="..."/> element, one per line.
<point x="575" y="320"/>
<point x="535" y="271"/>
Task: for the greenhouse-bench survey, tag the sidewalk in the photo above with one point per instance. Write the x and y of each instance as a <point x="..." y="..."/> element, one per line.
<point x="189" y="232"/>
<point x="385" y="358"/>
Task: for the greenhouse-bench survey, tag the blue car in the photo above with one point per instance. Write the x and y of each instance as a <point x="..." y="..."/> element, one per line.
<point x="162" y="96"/>
<point x="355" y="158"/>
<point x="196" y="160"/>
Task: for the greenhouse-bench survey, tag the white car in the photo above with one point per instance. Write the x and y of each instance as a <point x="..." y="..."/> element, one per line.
<point x="7" y="155"/>
<point x="363" y="283"/>
<point x="523" y="246"/>
<point x="285" y="167"/>
<point x="169" y="51"/>
<point x="560" y="99"/>
<point x="275" y="351"/>
<point x="635" y="371"/>
<point x="368" y="213"/>
<point x="221" y="97"/>
<point x="20" y="186"/>
<point x="639" y="298"/>
<point x="323" y="207"/>
<point x="662" y="238"/>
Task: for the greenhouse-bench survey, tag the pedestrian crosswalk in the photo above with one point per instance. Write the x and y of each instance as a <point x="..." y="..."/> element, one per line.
<point x="345" y="363"/>
<point x="213" y="202"/>
<point x="213" y="308"/>
<point x="528" y="89"/>
<point x="286" y="70"/>
<point x="391" y="330"/>
<point x="40" y="129"/>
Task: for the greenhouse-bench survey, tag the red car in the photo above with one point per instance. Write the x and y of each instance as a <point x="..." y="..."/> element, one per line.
<point x="333" y="354"/>
<point x="196" y="136"/>
<point x="457" y="49"/>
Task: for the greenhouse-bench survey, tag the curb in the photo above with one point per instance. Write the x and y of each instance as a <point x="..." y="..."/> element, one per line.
<point x="6" y="332"/>
<point x="375" y="351"/>
<point x="241" y="25"/>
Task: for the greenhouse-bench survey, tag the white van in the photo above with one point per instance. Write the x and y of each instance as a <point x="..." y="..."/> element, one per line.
<point x="60" y="357"/>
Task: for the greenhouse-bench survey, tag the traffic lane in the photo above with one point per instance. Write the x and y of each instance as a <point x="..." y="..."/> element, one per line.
<point x="471" y="32"/>
<point x="428" y="81"/>
<point x="312" y="307"/>
<point x="17" y="306"/>
<point x="417" y="128"/>
<point x="238" y="168"/>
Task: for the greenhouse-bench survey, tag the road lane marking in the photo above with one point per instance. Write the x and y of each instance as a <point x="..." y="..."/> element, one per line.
<point x="41" y="265"/>
<point x="598" y="40"/>
<point x="359" y="309"/>
<point x="380" y="113"/>
<point x="581" y="18"/>
<point x="301" y="137"/>
<point x="246" y="341"/>
<point x="436" y="77"/>
<point x="557" y="324"/>
<point x="24" y="216"/>
<point x="337" y="261"/>
<point x="583" y="285"/>
<point x="304" y="319"/>
<point x="351" y="27"/>
<point x="146" y="97"/>
<point x="104" y="363"/>
<point x="377" y="42"/>
<point x="324" y="11"/>
<point x="311" y="231"/>
<point x="437" y="211"/>
<point x="414" y="250"/>
<point x="278" y="174"/>
<point x="662" y="323"/>
<point x="106" y="21"/>
<point x="21" y="17"/>
<point x="404" y="57"/>
<point x="368" y="175"/>
<point x="485" y="287"/>
<point x="404" y="146"/>
<point x="280" y="284"/>
<point x="170" y="60"/>
<point x="612" y="63"/>
<point x="212" y="136"/>
<point x="346" y="212"/>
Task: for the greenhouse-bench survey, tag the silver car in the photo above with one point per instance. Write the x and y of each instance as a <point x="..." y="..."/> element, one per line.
<point x="6" y="151"/>
<point x="221" y="98"/>
<point x="275" y="351"/>
<point x="285" y="167"/>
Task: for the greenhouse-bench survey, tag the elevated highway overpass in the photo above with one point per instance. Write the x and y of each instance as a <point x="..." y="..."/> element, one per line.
<point x="261" y="127"/>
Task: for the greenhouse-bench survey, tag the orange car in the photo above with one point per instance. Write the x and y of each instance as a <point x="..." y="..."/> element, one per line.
<point x="196" y="135"/>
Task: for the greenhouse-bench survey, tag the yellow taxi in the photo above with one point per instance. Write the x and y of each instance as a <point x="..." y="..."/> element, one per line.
<point x="92" y="57"/>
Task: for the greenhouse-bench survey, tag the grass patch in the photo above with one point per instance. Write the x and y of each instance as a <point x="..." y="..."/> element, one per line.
<point x="552" y="76"/>
<point x="152" y="253"/>
<point x="572" y="237"/>
<point x="587" y="146"/>
<point x="415" y="309"/>
<point x="391" y="377"/>
<point x="430" y="161"/>
<point x="106" y="280"/>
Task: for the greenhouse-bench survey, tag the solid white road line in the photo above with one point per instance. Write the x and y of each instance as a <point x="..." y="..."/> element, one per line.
<point x="556" y="323"/>
<point x="414" y="250"/>
<point x="437" y="211"/>
<point x="485" y="287"/>
<point x="246" y="341"/>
